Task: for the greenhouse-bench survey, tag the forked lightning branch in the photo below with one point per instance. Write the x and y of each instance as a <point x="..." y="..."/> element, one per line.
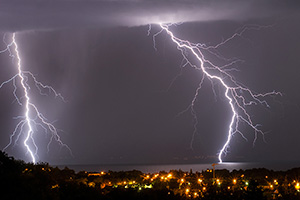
<point x="239" y="97"/>
<point x="32" y="118"/>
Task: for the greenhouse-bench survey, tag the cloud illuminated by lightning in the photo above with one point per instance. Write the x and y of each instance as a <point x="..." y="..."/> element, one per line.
<point x="238" y="96"/>
<point x="32" y="117"/>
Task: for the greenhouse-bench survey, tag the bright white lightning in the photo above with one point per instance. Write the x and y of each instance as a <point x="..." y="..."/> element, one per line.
<point x="27" y="101"/>
<point x="32" y="117"/>
<point x="235" y="92"/>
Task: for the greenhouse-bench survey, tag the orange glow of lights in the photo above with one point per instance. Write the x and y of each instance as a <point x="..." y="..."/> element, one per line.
<point x="91" y="184"/>
<point x="297" y="186"/>
<point x="55" y="186"/>
<point x="187" y="190"/>
<point x="234" y="181"/>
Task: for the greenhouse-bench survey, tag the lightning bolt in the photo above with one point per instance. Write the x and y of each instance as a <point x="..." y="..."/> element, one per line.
<point x="239" y="97"/>
<point x="32" y="117"/>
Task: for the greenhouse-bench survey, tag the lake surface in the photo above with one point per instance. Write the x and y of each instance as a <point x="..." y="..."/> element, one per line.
<point x="184" y="167"/>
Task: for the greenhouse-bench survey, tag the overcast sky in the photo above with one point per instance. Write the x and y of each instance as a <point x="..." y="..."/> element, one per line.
<point x="122" y="101"/>
<point x="18" y="15"/>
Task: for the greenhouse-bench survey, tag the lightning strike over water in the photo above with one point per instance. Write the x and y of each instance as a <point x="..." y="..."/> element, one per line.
<point x="32" y="117"/>
<point x="238" y="96"/>
<point x="196" y="55"/>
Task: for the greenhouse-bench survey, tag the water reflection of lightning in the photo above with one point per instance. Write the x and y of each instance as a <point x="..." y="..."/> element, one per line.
<point x="237" y="95"/>
<point x="32" y="117"/>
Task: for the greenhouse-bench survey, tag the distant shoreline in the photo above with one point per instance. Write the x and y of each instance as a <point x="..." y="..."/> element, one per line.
<point x="42" y="181"/>
<point x="153" y="168"/>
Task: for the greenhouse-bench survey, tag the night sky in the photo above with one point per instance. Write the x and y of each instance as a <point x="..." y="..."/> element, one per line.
<point x="122" y="97"/>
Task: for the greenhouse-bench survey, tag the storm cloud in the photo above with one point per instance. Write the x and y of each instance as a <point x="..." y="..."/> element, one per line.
<point x="19" y="15"/>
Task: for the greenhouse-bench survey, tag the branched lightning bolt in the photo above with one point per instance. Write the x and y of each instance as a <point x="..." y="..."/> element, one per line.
<point x="239" y="97"/>
<point x="32" y="117"/>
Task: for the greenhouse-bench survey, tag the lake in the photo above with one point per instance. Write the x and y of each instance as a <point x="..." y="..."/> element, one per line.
<point x="277" y="166"/>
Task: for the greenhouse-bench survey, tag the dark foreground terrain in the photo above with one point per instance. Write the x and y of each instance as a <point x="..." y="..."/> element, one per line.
<point x="20" y="180"/>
